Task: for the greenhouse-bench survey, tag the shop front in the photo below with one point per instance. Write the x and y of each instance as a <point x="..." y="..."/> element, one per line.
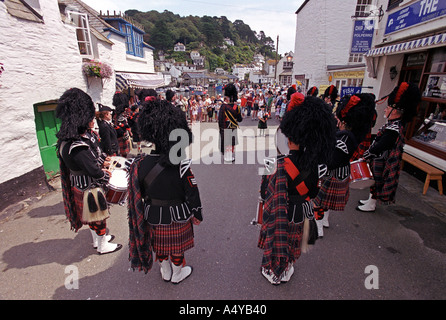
<point x="424" y="65"/>
<point x="426" y="135"/>
<point x="410" y="46"/>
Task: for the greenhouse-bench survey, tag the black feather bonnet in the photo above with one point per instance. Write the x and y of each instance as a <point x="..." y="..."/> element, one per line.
<point x="156" y="122"/>
<point x="76" y="110"/>
<point x="313" y="127"/>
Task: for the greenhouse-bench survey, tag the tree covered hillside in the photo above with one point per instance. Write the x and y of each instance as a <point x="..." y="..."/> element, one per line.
<point x="205" y="34"/>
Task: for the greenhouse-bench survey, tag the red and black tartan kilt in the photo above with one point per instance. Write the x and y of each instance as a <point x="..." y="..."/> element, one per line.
<point x="174" y="238"/>
<point x="295" y="240"/>
<point x="78" y="196"/>
<point x="295" y="232"/>
<point x="333" y="194"/>
<point x="124" y="146"/>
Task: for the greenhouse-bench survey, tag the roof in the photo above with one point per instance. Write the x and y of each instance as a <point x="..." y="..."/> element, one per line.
<point x="345" y="66"/>
<point x="97" y="25"/>
<point x="302" y="6"/>
<point x="96" y="22"/>
<point x="195" y="75"/>
<point x="21" y="10"/>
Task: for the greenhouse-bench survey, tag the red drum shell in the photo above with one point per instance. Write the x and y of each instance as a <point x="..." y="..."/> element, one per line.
<point x="117" y="187"/>
<point x="361" y="176"/>
<point x="115" y="196"/>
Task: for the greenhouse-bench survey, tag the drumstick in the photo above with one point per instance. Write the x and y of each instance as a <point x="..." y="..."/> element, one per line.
<point x="113" y="165"/>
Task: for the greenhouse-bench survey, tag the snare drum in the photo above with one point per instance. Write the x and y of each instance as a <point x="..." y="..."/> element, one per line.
<point x="361" y="176"/>
<point x="117" y="162"/>
<point x="117" y="187"/>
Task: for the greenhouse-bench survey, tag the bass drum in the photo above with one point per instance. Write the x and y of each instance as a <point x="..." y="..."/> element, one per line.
<point x="281" y="143"/>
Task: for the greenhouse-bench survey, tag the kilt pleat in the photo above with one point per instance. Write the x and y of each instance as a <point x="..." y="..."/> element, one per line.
<point x="78" y="196"/>
<point x="295" y="232"/>
<point x="174" y="238"/>
<point x="124" y="146"/>
<point x="333" y="194"/>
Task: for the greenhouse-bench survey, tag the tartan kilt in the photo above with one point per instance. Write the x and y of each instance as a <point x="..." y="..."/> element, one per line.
<point x="174" y="238"/>
<point x="333" y="194"/>
<point x="124" y="146"/>
<point x="78" y="196"/>
<point x="295" y="232"/>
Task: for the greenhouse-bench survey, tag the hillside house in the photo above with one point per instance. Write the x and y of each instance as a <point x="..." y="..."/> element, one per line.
<point x="179" y="47"/>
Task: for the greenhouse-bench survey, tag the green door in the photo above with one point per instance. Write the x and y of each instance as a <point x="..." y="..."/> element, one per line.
<point x="47" y="125"/>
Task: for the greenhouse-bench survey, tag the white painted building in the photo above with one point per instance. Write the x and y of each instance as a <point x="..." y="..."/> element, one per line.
<point x="324" y="30"/>
<point x="284" y="74"/>
<point x="239" y="70"/>
<point x="43" y="46"/>
<point x="41" y="59"/>
<point x="179" y="47"/>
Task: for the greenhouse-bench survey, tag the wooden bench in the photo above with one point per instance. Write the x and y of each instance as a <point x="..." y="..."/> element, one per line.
<point x="432" y="172"/>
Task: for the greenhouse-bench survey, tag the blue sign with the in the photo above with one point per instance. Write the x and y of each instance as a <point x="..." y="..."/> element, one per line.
<point x="362" y="36"/>
<point x="414" y="14"/>
<point x="350" y="90"/>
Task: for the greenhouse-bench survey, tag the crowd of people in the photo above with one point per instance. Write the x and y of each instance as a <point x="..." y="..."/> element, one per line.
<point x="303" y="185"/>
<point x="251" y="98"/>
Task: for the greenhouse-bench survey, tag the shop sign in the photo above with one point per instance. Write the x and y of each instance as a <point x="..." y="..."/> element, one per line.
<point x="349" y="75"/>
<point x="362" y="36"/>
<point x="350" y="91"/>
<point x="418" y="12"/>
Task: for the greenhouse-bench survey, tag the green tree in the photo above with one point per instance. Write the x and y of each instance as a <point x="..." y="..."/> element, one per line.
<point x="161" y="37"/>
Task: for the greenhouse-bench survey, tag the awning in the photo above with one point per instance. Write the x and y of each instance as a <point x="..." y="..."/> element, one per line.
<point x="413" y="45"/>
<point x="126" y="80"/>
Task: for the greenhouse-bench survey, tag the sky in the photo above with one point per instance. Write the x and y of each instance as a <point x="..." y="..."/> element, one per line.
<point x="273" y="17"/>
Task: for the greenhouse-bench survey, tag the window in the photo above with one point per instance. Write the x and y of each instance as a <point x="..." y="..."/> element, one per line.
<point x="393" y="4"/>
<point x="363" y="8"/>
<point x="355" y="57"/>
<point x="427" y="131"/>
<point x="82" y="32"/>
<point x="287" y="65"/>
<point x="133" y="40"/>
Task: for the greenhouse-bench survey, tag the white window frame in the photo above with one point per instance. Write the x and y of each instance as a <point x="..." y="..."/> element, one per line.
<point x="356" y="57"/>
<point x="83" y="28"/>
<point x="361" y="8"/>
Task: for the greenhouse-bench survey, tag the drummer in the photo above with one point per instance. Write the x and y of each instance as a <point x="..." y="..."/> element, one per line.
<point x="385" y="153"/>
<point x="354" y="118"/>
<point x="288" y="191"/>
<point x="81" y="169"/>
<point x="164" y="202"/>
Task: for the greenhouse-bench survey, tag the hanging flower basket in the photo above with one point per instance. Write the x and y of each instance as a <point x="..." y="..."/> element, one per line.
<point x="97" y="69"/>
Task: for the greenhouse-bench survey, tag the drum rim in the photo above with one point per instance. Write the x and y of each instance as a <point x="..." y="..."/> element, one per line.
<point x="362" y="179"/>
<point x="359" y="160"/>
<point x="117" y="189"/>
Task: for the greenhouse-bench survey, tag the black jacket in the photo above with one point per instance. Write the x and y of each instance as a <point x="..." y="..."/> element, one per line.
<point x="172" y="196"/>
<point x="109" y="140"/>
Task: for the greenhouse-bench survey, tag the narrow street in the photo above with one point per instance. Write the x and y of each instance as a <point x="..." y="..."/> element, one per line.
<point x="405" y="245"/>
